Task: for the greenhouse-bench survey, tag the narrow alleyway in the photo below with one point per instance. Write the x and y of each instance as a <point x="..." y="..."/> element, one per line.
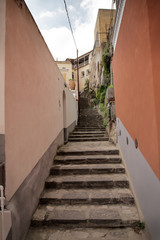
<point x="87" y="195"/>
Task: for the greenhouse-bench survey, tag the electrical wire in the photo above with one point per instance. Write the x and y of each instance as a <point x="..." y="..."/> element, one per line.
<point x="65" y="4"/>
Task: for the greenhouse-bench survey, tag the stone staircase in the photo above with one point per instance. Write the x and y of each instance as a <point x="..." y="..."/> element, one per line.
<point x="81" y="134"/>
<point x="88" y="186"/>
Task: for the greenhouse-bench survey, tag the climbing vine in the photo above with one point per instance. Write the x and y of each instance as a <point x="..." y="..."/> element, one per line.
<point x="106" y="61"/>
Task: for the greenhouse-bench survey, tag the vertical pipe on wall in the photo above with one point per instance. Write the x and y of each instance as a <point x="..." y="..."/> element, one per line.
<point x="78" y="84"/>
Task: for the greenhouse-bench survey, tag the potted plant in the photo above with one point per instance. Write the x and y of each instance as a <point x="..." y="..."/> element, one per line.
<point x="72" y="84"/>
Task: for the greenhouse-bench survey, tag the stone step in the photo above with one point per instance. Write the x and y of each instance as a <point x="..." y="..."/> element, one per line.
<point x="91" y="132"/>
<point x="87" y="135"/>
<point x="86" y="216"/>
<point x="87" y="139"/>
<point x="87" y="181"/>
<point x="84" y="169"/>
<point x="89" y="196"/>
<point x="89" y="159"/>
<point x="69" y="151"/>
<point x="54" y="233"/>
<point x="89" y="129"/>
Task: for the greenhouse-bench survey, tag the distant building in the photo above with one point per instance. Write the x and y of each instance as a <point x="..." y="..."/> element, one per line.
<point x="105" y="21"/>
<point x="68" y="69"/>
<point x="83" y="66"/>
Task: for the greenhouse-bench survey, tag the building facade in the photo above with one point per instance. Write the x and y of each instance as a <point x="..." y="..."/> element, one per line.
<point x="65" y="68"/>
<point x="68" y="70"/>
<point x="104" y="22"/>
<point x="136" y="73"/>
<point x="83" y="68"/>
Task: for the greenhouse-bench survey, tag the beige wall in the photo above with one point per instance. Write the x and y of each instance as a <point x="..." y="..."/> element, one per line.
<point x="102" y="24"/>
<point x="65" y="68"/>
<point x="82" y="79"/>
<point x="34" y="96"/>
<point x="2" y="64"/>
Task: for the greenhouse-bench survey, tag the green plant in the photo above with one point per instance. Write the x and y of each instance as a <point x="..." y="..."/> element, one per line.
<point x="101" y="92"/>
<point x="104" y="122"/>
<point x="105" y="112"/>
<point x="102" y="96"/>
<point x="95" y="101"/>
<point x="86" y="85"/>
<point x="110" y="86"/>
<point x="139" y="226"/>
<point x="101" y="107"/>
<point x="71" y="79"/>
<point x="106" y="61"/>
<point x="92" y="93"/>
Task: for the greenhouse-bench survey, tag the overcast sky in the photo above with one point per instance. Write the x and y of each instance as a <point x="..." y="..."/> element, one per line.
<point x="51" y="19"/>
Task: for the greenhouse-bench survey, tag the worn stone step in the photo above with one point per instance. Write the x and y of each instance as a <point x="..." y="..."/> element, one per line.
<point x="91" y="126"/>
<point x="55" y="233"/>
<point x="87" y="152"/>
<point x="89" y="196"/>
<point x="89" y="129"/>
<point x="89" y="159"/>
<point x="86" y="216"/>
<point x="87" y="135"/>
<point x="89" y="148"/>
<point x="88" y="181"/>
<point x="87" y="169"/>
<point x="82" y="139"/>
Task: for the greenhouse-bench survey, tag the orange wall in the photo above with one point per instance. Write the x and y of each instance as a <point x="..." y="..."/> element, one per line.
<point x="136" y="69"/>
<point x="33" y="96"/>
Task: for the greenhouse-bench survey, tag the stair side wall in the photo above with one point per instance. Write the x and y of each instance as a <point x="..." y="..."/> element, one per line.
<point x="25" y="200"/>
<point x="145" y="183"/>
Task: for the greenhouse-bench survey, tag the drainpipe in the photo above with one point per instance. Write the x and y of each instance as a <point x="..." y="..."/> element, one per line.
<point x="78" y="84"/>
<point x="2" y="209"/>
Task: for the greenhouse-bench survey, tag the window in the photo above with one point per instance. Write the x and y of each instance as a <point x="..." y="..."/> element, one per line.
<point x="98" y="66"/>
<point x="72" y="75"/>
<point x="87" y="72"/>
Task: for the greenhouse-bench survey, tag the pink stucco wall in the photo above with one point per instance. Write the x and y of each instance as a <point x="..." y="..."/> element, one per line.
<point x="136" y="69"/>
<point x="33" y="96"/>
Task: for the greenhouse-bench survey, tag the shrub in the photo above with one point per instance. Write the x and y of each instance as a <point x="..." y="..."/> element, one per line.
<point x="92" y="93"/>
<point x="95" y="101"/>
<point x="86" y="85"/>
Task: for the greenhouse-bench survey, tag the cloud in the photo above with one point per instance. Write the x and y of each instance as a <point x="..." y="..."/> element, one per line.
<point x="59" y="39"/>
<point x="71" y="8"/>
<point x="47" y="14"/>
<point x="60" y="42"/>
<point x="61" y="11"/>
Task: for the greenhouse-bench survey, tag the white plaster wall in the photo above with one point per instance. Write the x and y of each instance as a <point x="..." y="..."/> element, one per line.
<point x="145" y="182"/>
<point x="2" y="63"/>
<point x="71" y="113"/>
